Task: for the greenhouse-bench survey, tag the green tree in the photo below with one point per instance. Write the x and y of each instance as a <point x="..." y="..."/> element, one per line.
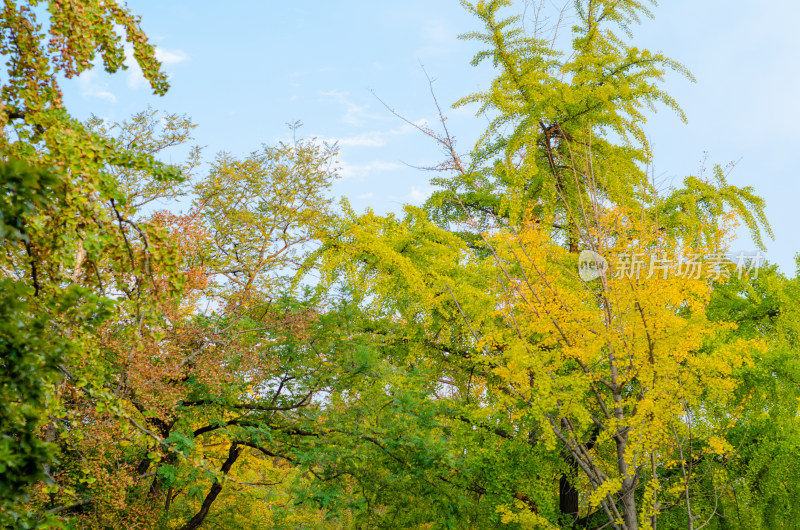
<point x="562" y="168"/>
<point x="29" y="363"/>
<point x="70" y="249"/>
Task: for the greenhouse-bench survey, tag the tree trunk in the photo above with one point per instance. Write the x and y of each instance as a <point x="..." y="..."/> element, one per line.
<point x="629" y="514"/>
<point x="568" y="496"/>
<point x="200" y="516"/>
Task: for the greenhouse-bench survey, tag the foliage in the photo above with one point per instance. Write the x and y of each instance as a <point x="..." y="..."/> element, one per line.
<point x="28" y="361"/>
<point x="625" y="380"/>
<point x="447" y="367"/>
<point x="71" y="251"/>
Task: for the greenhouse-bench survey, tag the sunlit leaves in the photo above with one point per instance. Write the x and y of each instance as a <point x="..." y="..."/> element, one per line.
<point x="262" y="212"/>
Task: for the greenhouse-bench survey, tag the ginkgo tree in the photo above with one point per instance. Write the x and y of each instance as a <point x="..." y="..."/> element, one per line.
<point x="615" y="376"/>
<point x="607" y="372"/>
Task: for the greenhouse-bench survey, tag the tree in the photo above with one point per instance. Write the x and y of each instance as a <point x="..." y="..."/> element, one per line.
<point x="29" y="363"/>
<point x="452" y="367"/>
<point x="219" y="380"/>
<point x="752" y="491"/>
<point x="68" y="251"/>
<point x="612" y="375"/>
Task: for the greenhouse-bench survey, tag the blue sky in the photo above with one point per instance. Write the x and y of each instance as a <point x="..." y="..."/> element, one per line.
<point x="243" y="69"/>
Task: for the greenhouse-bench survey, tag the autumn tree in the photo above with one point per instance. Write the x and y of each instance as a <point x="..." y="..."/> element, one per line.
<point x="180" y="330"/>
<point x="29" y="362"/>
<point x="203" y="348"/>
<point x="71" y="235"/>
<point x="446" y="367"/>
<point x="613" y="377"/>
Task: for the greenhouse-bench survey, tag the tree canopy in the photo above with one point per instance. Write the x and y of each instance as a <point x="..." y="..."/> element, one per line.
<point x="548" y="342"/>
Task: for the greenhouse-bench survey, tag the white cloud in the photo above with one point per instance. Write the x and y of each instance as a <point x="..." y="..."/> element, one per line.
<point x="468" y="111"/>
<point x="353" y="170"/>
<point x="171" y="56"/>
<point x="376" y="138"/>
<point x="366" y="196"/>
<point x="91" y="88"/>
<point x="368" y="139"/>
<point x="135" y="78"/>
<point x="420" y="195"/>
<point x="354" y="114"/>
